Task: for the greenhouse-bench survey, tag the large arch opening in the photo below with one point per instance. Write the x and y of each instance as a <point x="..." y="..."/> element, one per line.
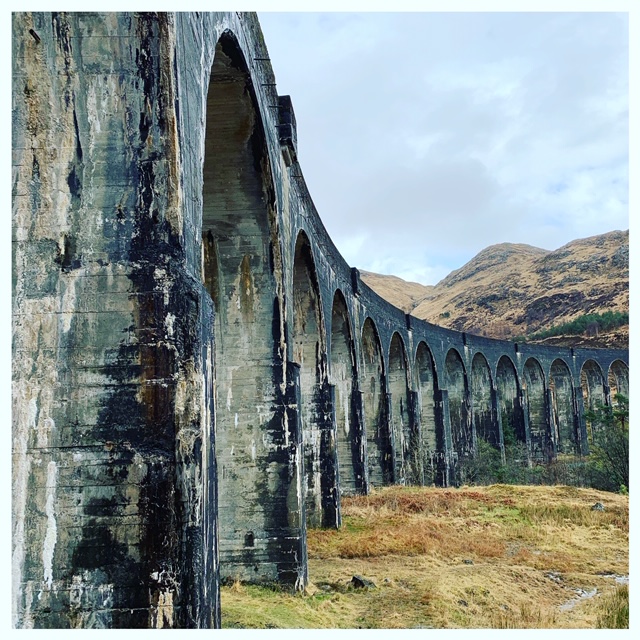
<point x="541" y="444"/>
<point x="562" y="412"/>
<point x="343" y="378"/>
<point x="510" y="408"/>
<point x="405" y="445"/>
<point x="458" y="392"/>
<point x="481" y="394"/>
<point x="259" y="524"/>
<point x="618" y="380"/>
<point x="433" y="443"/>
<point x="379" y="452"/>
<point x="593" y="391"/>
<point x="309" y="351"/>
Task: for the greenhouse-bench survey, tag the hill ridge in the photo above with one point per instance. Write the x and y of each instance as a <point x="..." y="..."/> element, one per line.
<point x="509" y="290"/>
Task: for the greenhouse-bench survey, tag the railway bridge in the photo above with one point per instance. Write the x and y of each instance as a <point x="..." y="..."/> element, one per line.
<point x="198" y="375"/>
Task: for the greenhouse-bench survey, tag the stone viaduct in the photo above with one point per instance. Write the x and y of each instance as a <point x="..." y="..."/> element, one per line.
<point x="198" y="375"/>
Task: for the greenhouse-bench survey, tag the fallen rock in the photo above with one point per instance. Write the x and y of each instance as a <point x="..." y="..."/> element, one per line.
<point x="362" y="583"/>
<point x="598" y="506"/>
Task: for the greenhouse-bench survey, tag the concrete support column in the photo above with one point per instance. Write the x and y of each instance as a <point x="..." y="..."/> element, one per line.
<point x="414" y="462"/>
<point x="393" y="470"/>
<point x="359" y="441"/>
<point x="580" y="424"/>
<point x="293" y="562"/>
<point x="496" y="419"/>
<point x="607" y="395"/>
<point x="446" y="463"/>
<point x="524" y="405"/>
<point x="550" y="445"/>
<point x="329" y="484"/>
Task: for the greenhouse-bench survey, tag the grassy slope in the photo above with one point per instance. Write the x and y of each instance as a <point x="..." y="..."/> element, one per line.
<point x="481" y="557"/>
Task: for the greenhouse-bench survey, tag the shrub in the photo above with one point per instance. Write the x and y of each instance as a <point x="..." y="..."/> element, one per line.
<point x="609" y="446"/>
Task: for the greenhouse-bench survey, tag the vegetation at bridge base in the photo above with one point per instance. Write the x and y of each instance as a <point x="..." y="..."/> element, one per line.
<point x="500" y="556"/>
<point x="605" y="468"/>
<point x="609" y="442"/>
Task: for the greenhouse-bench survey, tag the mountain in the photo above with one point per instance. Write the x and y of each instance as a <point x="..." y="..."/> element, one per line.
<point x="400" y="293"/>
<point x="513" y="290"/>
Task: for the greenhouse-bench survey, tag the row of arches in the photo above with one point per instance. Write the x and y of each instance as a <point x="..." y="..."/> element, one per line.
<point x="396" y="428"/>
<point x="303" y="417"/>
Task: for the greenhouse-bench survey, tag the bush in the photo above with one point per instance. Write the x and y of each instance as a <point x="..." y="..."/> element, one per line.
<point x="609" y="446"/>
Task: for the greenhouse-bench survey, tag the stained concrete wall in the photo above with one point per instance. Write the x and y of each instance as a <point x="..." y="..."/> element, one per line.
<point x="114" y="477"/>
<point x="174" y="285"/>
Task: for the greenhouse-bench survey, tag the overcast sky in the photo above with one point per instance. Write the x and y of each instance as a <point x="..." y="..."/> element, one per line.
<point x="425" y="137"/>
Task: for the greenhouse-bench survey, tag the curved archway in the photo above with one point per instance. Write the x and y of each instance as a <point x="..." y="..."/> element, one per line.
<point x="618" y="380"/>
<point x="238" y="217"/>
<point x="593" y="390"/>
<point x="432" y="433"/>
<point x="481" y="394"/>
<point x="458" y="391"/>
<point x="511" y="417"/>
<point x="562" y="412"/>
<point x="309" y="352"/>
<point x="541" y="444"/>
<point x="344" y="380"/>
<point x="404" y="441"/>
<point x="379" y="452"/>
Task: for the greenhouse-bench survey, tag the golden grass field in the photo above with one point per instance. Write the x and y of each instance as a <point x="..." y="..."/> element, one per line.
<point x="476" y="557"/>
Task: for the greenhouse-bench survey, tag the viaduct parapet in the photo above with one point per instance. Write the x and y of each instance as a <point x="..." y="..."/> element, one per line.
<point x="198" y="375"/>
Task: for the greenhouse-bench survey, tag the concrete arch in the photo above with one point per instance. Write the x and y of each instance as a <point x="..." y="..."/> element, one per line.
<point x="511" y="416"/>
<point x="379" y="450"/>
<point x="431" y="426"/>
<point x="344" y="380"/>
<point x="594" y="392"/>
<point x="535" y="393"/>
<point x="563" y="423"/>
<point x="483" y="399"/>
<point x="403" y="438"/>
<point x="618" y="380"/>
<point x="309" y="352"/>
<point x="459" y="410"/>
<point x="238" y="214"/>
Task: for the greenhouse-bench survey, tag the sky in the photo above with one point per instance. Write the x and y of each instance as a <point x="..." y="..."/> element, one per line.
<point x="426" y="137"/>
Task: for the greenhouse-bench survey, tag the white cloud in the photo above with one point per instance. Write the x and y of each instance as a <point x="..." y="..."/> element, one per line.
<point x="426" y="137"/>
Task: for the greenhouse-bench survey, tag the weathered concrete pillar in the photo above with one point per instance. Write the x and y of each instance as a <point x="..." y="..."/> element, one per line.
<point x="525" y="423"/>
<point x="580" y="423"/>
<point x="607" y="395"/>
<point x="496" y="417"/>
<point x="359" y="442"/>
<point x="447" y="459"/>
<point x="114" y="501"/>
<point x="550" y="443"/>
<point x="415" y="473"/>
<point x="393" y="470"/>
<point x="329" y="484"/>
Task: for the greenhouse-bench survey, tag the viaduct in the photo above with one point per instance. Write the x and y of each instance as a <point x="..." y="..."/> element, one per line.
<point x="198" y="375"/>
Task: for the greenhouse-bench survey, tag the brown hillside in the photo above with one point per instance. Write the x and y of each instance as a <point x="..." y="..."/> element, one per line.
<point x="400" y="293"/>
<point x="511" y="290"/>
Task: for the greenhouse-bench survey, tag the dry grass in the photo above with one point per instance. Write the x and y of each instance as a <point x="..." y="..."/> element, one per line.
<point x="482" y="557"/>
